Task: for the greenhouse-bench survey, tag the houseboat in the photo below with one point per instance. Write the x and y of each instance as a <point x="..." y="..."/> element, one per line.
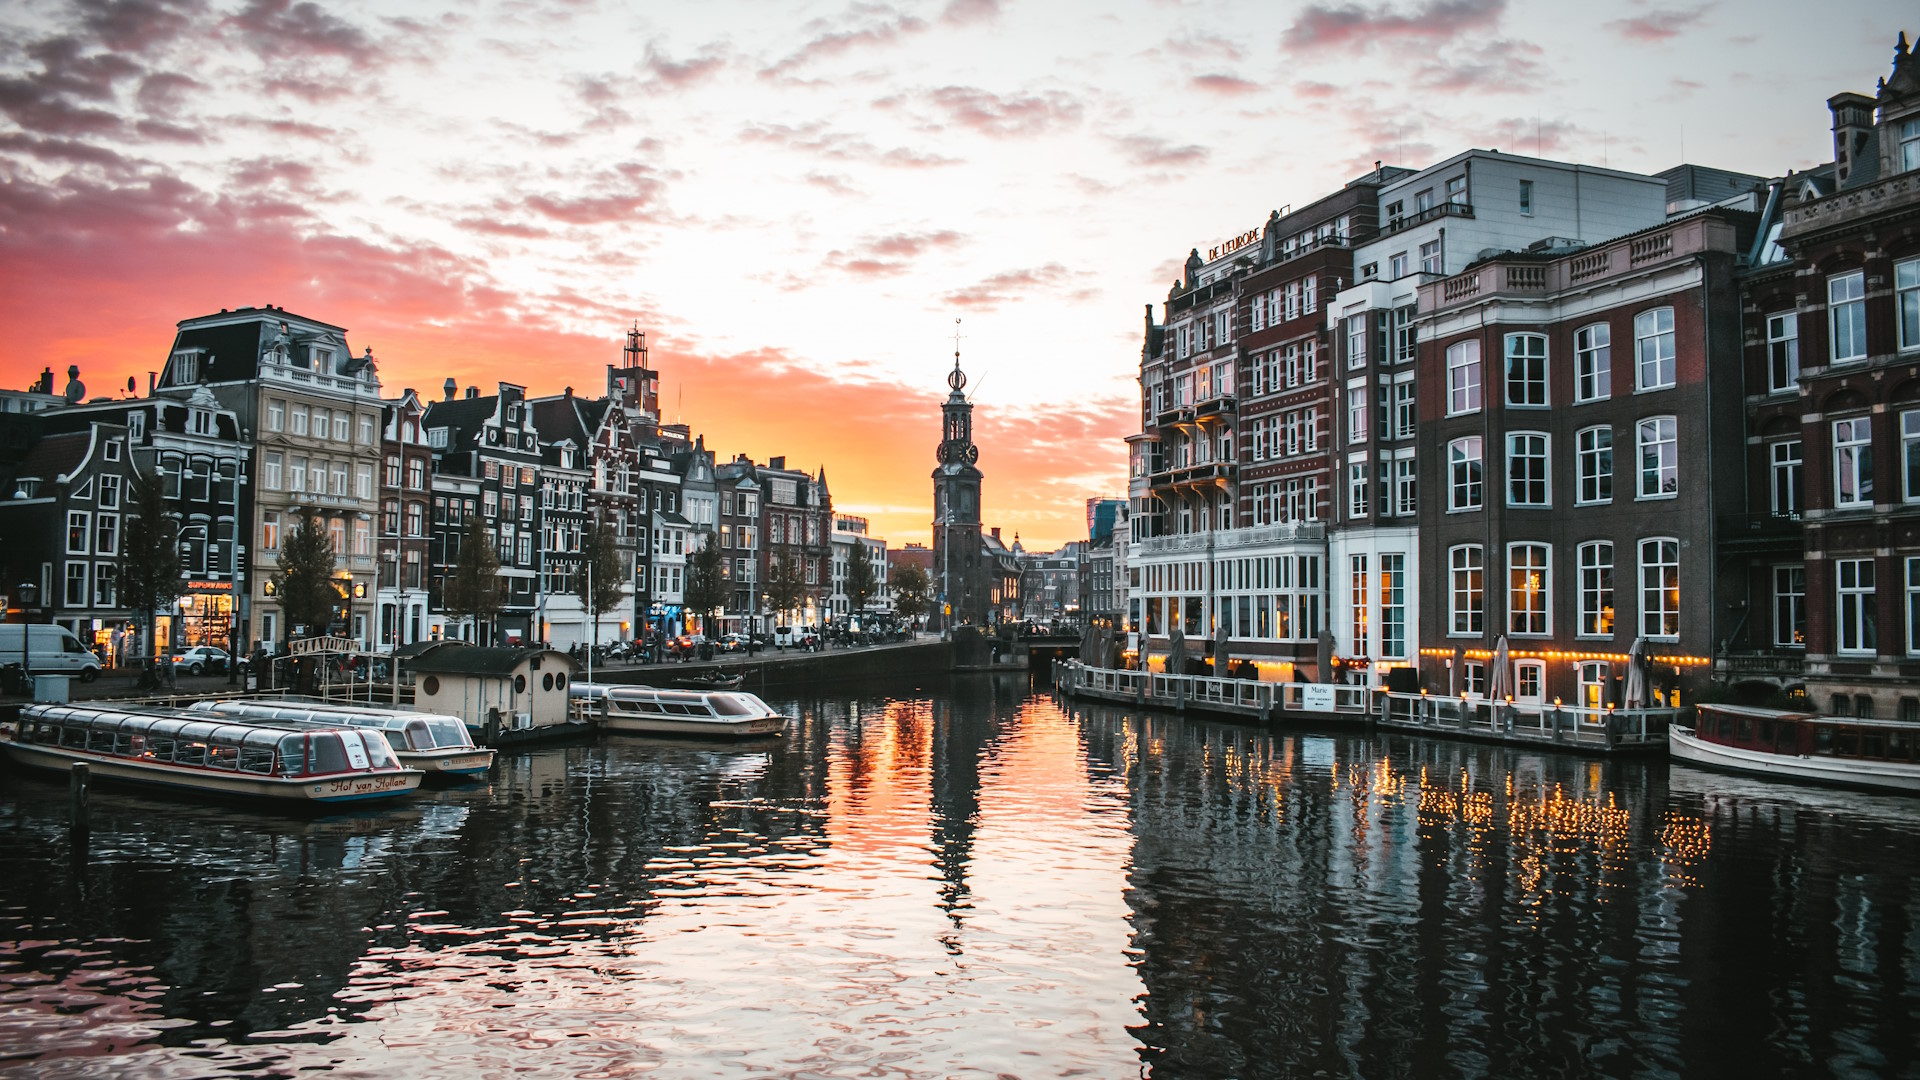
<point x="302" y="765"/>
<point x="436" y="745"/>
<point x="1879" y="755"/>
<point x="645" y="710"/>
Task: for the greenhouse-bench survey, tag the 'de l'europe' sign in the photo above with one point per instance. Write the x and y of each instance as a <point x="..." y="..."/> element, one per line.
<point x="1230" y="246"/>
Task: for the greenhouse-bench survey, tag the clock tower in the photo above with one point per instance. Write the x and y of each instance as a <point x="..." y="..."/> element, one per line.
<point x="958" y="581"/>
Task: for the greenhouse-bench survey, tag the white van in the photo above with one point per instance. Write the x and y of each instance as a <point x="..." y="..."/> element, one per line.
<point x="48" y="650"/>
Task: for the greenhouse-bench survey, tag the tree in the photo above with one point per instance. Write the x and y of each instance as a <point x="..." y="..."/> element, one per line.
<point x="862" y="582"/>
<point x="707" y="585"/>
<point x="601" y="582"/>
<point x="472" y="591"/>
<point x="152" y="572"/>
<point x="912" y="590"/>
<point x="305" y="585"/>
<point x="785" y="585"/>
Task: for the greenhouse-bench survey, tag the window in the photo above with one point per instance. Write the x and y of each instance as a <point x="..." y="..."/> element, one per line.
<point x="416" y="519"/>
<point x="79" y="525"/>
<point x="1594" y="449"/>
<point x="1357" y="412"/>
<point x="299" y="419"/>
<point x="1526" y="197"/>
<point x="362" y="537"/>
<point x="391" y="475"/>
<point x="1856" y="629"/>
<point x="76" y="585"/>
<point x="1906" y="301"/>
<point x="1463" y="378"/>
<point x="1405" y="495"/>
<point x="106" y="534"/>
<point x="1527" y="588"/>
<point x="1397" y="264"/>
<point x="1464" y="473"/>
<point x="276" y="415"/>
<point x="1527" y="469"/>
<point x="1465" y="588"/>
<point x="1423" y="201"/>
<point x="1527" y="370"/>
<point x="340" y="478"/>
<point x="270" y="530"/>
<point x="1783" y="352"/>
<point x="417" y="475"/>
<point x="1406" y="408"/>
<point x="1853" y="463"/>
<point x="390" y="518"/>
<point x="1909" y="458"/>
<point x="1596" y="589"/>
<point x="1660" y="588"/>
<point x="1395" y="211"/>
<point x="1393" y="605"/>
<point x="1406" y="339"/>
<point x="1357" y="340"/>
<point x="106" y="581"/>
<point x="1909" y="144"/>
<point x="341" y="423"/>
<point x="1653" y="339"/>
<point x="1790" y="605"/>
<point x="112" y="450"/>
<point x="271" y="471"/>
<point x="1659" y="458"/>
<point x="321" y="418"/>
<point x="1913" y="606"/>
<point x="1430" y="257"/>
<point x="366" y="429"/>
<point x="110" y="490"/>
<point x="1593" y="363"/>
<point x="1457" y="190"/>
<point x="1357" y="594"/>
<point x="1847" y="316"/>
<point x="363" y="481"/>
<point x="1786" y="477"/>
<point x="1357" y="489"/>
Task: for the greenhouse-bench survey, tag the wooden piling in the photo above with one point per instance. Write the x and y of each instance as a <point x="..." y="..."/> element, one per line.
<point x="77" y="780"/>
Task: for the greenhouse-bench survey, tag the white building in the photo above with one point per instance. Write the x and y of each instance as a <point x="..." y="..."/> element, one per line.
<point x="849" y="530"/>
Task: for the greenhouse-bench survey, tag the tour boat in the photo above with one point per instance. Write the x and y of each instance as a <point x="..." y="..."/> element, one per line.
<point x="1881" y="755"/>
<point x="434" y="743"/>
<point x="645" y="710"/>
<point x="182" y="751"/>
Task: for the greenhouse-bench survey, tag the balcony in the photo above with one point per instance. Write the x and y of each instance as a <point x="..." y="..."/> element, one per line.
<point x="1751" y="534"/>
<point x="1532" y="275"/>
<point x="1227" y="540"/>
<point x="1431" y="213"/>
<point x="1782" y="668"/>
<point x="1205" y="474"/>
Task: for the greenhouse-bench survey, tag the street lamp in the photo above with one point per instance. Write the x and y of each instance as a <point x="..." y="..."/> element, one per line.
<point x="29" y="596"/>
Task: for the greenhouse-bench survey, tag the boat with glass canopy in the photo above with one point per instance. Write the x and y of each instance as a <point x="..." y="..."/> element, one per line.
<point x="1858" y="752"/>
<point x="193" y="753"/>
<point x="434" y="743"/>
<point x="646" y="710"/>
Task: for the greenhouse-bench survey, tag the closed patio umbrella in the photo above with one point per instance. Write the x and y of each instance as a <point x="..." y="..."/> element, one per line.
<point x="1323" y="656"/>
<point x="1634" y="696"/>
<point x="1176" y="651"/>
<point x="1498" y="678"/>
<point x="1220" y="638"/>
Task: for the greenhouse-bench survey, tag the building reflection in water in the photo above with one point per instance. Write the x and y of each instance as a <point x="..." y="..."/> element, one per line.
<point x="966" y="879"/>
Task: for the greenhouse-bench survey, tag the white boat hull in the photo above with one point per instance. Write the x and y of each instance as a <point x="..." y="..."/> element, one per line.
<point x="455" y="763"/>
<point x="1844" y="772"/>
<point x="750" y="727"/>
<point x="294" y="790"/>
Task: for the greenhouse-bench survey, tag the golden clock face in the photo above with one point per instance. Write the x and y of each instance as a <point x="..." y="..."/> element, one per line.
<point x="973" y="454"/>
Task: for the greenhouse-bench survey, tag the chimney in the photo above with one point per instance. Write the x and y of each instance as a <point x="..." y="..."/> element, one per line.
<point x="777" y="462"/>
<point x="449" y="388"/>
<point x="1852" y="129"/>
<point x="569" y="393"/>
<point x="996" y="534"/>
<point x="473" y="392"/>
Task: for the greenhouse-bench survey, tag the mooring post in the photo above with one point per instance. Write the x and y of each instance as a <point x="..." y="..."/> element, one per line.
<point x="77" y="792"/>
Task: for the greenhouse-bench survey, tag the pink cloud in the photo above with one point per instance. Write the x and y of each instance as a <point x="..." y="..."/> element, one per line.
<point x="1660" y="26"/>
<point x="1007" y="287"/>
<point x="1151" y="150"/>
<point x="1350" y="26"/>
<point x="1003" y="116"/>
<point x="1225" y="84"/>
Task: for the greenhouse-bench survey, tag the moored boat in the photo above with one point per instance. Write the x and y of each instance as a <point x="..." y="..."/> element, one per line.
<point x="646" y="710"/>
<point x="1879" y="755"/>
<point x="436" y="744"/>
<point x="192" y="753"/>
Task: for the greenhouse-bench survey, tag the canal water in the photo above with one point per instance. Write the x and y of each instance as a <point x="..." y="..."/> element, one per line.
<point x="963" y="879"/>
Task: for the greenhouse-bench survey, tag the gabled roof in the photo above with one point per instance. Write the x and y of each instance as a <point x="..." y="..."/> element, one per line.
<point x="56" y="455"/>
<point x="462" y="417"/>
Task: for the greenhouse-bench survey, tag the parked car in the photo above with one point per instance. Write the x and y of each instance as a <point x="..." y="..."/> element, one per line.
<point x="733" y="643"/>
<point x="201" y="660"/>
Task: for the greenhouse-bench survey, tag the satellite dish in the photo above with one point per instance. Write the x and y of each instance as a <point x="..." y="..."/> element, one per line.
<point x="130" y="385"/>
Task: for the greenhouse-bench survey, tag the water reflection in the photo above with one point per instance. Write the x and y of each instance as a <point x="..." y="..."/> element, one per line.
<point x="966" y="880"/>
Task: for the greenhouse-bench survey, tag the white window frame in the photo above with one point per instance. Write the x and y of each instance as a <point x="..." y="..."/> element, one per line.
<point x="1906" y="302"/>
<point x="1598" y="613"/>
<point x="1356" y="411"/>
<point x="1466" y="597"/>
<point x="1545" y="460"/>
<point x="84" y="521"/>
<point x="1785" y="466"/>
<point x="1853" y="463"/>
<point x="1783" y="352"/>
<point x="1658" y="590"/>
<point x="1655" y="352"/>
<point x="1847" y="317"/>
<point x="1909" y="456"/>
<point x="1522" y="620"/>
<point x="1466" y="474"/>
<point x="1854" y="630"/>
<point x="1592" y="363"/>
<point x="1593" y="462"/>
<point x="1530" y="352"/>
<point x="1465" y="387"/>
<point x="1913" y="604"/>
<point x="1659" y="436"/>
<point x="1790" y="606"/>
<point x="1358" y="477"/>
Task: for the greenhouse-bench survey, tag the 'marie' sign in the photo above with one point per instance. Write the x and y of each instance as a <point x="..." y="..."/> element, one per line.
<point x="1229" y="247"/>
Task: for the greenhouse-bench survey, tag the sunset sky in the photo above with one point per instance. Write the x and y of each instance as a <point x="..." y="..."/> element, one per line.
<point x="796" y="201"/>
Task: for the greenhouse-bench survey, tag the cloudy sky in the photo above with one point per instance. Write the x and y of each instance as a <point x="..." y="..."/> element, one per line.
<point x="796" y="201"/>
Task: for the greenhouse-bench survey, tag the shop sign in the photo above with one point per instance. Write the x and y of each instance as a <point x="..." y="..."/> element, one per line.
<point x="210" y="586"/>
<point x="1228" y="247"/>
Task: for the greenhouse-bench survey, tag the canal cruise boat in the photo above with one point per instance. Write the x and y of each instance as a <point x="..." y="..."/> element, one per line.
<point x="434" y="743"/>
<point x="646" y="710"/>
<point x="179" y="751"/>
<point x="1858" y="752"/>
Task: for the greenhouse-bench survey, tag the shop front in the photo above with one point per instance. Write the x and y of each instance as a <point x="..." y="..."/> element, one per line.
<point x="203" y="616"/>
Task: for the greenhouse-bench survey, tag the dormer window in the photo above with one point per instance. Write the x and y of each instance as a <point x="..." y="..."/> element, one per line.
<point x="437" y="438"/>
<point x="200" y="421"/>
<point x="136" y="426"/>
<point x="186" y="367"/>
<point x="1909" y="144"/>
<point x="321" y="357"/>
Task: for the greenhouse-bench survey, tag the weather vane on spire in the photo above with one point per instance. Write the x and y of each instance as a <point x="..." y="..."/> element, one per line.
<point x="958" y="378"/>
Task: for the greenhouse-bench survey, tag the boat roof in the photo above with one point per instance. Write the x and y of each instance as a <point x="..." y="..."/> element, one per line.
<point x="1757" y="713"/>
<point x="177" y="722"/>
